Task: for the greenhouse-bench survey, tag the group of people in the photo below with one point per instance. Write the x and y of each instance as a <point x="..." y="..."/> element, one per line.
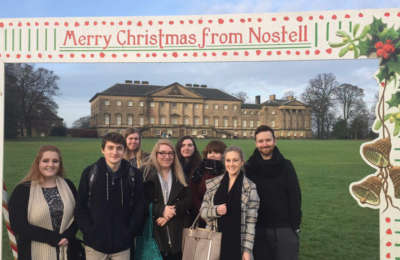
<point x="135" y="205"/>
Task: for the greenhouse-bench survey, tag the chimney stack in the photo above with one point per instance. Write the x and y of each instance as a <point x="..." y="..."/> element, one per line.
<point x="272" y="97"/>
<point x="258" y="100"/>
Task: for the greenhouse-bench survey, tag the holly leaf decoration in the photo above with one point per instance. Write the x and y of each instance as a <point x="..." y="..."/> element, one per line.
<point x="388" y="34"/>
<point x="365" y="47"/>
<point x="393" y="65"/>
<point x="377" y="26"/>
<point x="395" y="100"/>
<point x="383" y="73"/>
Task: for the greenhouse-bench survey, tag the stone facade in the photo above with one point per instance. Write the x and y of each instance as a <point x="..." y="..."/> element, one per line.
<point x="176" y="110"/>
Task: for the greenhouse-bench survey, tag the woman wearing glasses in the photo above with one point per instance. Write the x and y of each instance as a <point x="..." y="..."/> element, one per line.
<point x="169" y="196"/>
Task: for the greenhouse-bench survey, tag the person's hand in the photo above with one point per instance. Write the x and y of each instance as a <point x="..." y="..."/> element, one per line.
<point x="246" y="255"/>
<point x="169" y="212"/>
<point x="161" y="221"/>
<point x="63" y="242"/>
<point x="221" y="209"/>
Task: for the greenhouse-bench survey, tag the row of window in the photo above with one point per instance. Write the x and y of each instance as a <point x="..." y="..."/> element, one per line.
<point x="186" y="121"/>
<point x="119" y="103"/>
<point x="173" y="105"/>
<point x="245" y="112"/>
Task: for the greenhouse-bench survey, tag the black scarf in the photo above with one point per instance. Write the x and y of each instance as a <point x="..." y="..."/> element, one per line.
<point x="213" y="167"/>
<point x="230" y="224"/>
<point x="256" y="166"/>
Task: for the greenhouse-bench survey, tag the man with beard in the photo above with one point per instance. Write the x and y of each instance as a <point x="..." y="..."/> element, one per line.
<point x="279" y="215"/>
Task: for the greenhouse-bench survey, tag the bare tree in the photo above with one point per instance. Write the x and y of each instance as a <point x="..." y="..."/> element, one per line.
<point x="349" y="97"/>
<point x="241" y="95"/>
<point x="359" y="125"/>
<point x="36" y="89"/>
<point x="319" y="95"/>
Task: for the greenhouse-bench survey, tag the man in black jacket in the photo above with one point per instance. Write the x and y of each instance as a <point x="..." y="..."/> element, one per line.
<point x="110" y="207"/>
<point x="279" y="215"/>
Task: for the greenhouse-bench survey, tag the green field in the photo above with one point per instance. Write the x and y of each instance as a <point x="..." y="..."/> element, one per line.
<point x="333" y="225"/>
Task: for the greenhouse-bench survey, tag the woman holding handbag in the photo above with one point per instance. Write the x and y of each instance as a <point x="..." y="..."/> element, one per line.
<point x="41" y="210"/>
<point x="231" y="201"/>
<point x="168" y="194"/>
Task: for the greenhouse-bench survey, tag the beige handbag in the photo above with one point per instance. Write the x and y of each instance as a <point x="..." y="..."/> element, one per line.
<point x="200" y="243"/>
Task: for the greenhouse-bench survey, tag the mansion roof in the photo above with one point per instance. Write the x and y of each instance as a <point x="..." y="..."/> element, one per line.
<point x="143" y="90"/>
<point x="177" y="90"/>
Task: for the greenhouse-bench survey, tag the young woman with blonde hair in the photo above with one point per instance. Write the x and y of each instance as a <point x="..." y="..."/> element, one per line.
<point x="169" y="196"/>
<point x="231" y="201"/>
<point x="41" y="210"/>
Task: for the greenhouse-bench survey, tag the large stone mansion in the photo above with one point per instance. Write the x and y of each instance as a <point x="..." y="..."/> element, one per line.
<point x="176" y="110"/>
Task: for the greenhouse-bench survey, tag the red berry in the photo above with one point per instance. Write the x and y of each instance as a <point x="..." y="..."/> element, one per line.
<point x="389" y="48"/>
<point x="389" y="41"/>
<point x="380" y="52"/>
<point x="386" y="55"/>
<point x="379" y="45"/>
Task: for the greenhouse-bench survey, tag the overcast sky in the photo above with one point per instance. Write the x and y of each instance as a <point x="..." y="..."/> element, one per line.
<point x="79" y="82"/>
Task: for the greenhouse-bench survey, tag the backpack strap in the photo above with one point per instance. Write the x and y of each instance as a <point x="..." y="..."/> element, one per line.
<point x="91" y="178"/>
<point x="131" y="183"/>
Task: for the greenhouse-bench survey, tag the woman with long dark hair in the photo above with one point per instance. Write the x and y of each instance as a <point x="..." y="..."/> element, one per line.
<point x="41" y="209"/>
<point x="188" y="155"/>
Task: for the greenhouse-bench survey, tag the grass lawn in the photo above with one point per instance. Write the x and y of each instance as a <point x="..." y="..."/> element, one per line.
<point x="333" y="227"/>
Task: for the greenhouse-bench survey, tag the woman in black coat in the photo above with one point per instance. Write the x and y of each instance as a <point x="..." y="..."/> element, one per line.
<point x="167" y="190"/>
<point x="41" y="210"/>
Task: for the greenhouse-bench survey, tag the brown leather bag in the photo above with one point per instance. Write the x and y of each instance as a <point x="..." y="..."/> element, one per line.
<point x="200" y="243"/>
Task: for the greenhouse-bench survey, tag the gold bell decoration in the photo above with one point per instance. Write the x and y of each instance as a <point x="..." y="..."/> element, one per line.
<point x="368" y="191"/>
<point x="394" y="174"/>
<point x="378" y="152"/>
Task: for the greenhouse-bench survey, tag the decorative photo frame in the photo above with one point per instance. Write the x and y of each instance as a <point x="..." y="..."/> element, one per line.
<point x="316" y="35"/>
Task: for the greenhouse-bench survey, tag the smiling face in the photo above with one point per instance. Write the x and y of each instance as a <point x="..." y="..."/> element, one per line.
<point x="265" y="143"/>
<point x="187" y="148"/>
<point x="165" y="156"/>
<point x="113" y="154"/>
<point x="133" y="142"/>
<point x="233" y="163"/>
<point x="49" y="164"/>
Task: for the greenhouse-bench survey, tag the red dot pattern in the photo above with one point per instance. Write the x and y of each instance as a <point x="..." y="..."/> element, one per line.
<point x="171" y="22"/>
